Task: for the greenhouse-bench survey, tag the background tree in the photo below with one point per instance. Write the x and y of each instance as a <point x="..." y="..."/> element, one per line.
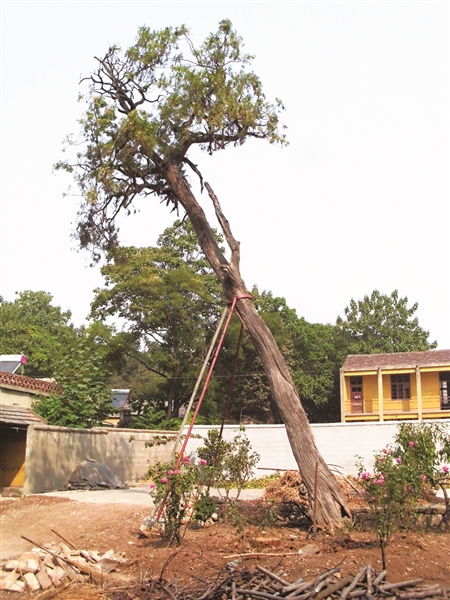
<point x="147" y="108"/>
<point x="170" y="303"/>
<point x="86" y="393"/>
<point x="380" y="323"/>
<point x="33" y="326"/>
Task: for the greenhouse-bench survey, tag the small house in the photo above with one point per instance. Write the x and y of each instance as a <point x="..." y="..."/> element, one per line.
<point x="399" y="385"/>
<point x="18" y="393"/>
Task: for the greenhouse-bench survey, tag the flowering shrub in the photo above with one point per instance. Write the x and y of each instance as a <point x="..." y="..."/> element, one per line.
<point x="401" y="473"/>
<point x="173" y="491"/>
<point x="231" y="462"/>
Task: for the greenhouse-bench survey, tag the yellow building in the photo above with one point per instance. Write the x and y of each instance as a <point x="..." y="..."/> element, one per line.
<point x="401" y="385"/>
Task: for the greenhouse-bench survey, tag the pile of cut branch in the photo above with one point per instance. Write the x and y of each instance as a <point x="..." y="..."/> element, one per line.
<point x="265" y="585"/>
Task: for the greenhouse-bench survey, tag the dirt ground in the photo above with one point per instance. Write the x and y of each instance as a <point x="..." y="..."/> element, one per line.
<point x="206" y="551"/>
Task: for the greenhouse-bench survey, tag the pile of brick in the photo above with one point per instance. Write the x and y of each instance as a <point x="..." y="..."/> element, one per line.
<point x="52" y="565"/>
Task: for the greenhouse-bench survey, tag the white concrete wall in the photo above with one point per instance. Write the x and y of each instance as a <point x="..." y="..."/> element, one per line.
<point x="339" y="443"/>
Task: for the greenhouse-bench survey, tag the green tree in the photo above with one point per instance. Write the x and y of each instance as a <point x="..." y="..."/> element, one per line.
<point x="86" y="394"/>
<point x="381" y="324"/>
<point x="147" y="108"/>
<point x="170" y="302"/>
<point x="32" y="325"/>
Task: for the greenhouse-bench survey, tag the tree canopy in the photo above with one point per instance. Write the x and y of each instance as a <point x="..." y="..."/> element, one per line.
<point x="148" y="105"/>
<point x="382" y="323"/>
<point x="86" y="398"/>
<point x="32" y="325"/>
<point x="169" y="302"/>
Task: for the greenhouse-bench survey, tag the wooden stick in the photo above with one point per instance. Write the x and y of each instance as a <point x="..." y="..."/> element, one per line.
<point x="256" y="594"/>
<point x="379" y="577"/>
<point x="369" y="581"/>
<point x="354" y="583"/>
<point x="64" y="539"/>
<point x="401" y="584"/>
<point x="334" y="588"/>
<point x="422" y="594"/>
<point x="251" y="554"/>
<point x="272" y="575"/>
<point x="314" y="525"/>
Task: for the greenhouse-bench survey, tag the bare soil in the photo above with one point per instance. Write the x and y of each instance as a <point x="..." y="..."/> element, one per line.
<point x="206" y="551"/>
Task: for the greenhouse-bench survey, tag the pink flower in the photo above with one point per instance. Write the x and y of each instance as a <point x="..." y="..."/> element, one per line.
<point x="152" y="486"/>
<point x="164" y="480"/>
<point x="410" y="488"/>
<point x="365" y="475"/>
<point x="386" y="451"/>
<point x="187" y="506"/>
<point x="185" y="459"/>
<point x="423" y="477"/>
<point x="411" y="444"/>
<point x="379" y="480"/>
<point x="170" y="472"/>
<point x="176" y="472"/>
<point x="202" y="461"/>
<point x="445" y="469"/>
<point x="398" y="460"/>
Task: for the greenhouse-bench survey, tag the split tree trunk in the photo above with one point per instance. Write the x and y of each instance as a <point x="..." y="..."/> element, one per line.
<point x="330" y="507"/>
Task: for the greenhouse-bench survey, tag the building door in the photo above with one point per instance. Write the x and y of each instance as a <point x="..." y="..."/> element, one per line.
<point x="13" y="441"/>
<point x="444" y="381"/>
<point x="356" y="394"/>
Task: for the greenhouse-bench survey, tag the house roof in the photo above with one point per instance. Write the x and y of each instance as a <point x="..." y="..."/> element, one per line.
<point x="397" y="360"/>
<point x="28" y="384"/>
<point x="18" y="415"/>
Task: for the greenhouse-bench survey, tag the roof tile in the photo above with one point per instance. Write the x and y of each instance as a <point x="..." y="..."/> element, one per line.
<point x="397" y="360"/>
<point x="36" y="386"/>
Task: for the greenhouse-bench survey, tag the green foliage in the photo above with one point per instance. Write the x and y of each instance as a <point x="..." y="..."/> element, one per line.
<point x="231" y="462"/>
<point x="86" y="397"/>
<point x="205" y="507"/>
<point x="169" y="301"/>
<point x="400" y="475"/>
<point x="382" y="324"/>
<point x="147" y="106"/>
<point x="32" y="325"/>
<point x="259" y="483"/>
<point x="311" y="351"/>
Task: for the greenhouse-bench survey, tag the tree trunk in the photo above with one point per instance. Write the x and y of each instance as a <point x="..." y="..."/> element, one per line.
<point x="330" y="506"/>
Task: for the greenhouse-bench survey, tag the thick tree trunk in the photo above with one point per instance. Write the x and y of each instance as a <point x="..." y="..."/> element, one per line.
<point x="329" y="506"/>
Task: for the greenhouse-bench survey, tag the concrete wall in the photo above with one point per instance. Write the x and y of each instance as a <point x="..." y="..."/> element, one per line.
<point x="53" y="452"/>
<point x="339" y="443"/>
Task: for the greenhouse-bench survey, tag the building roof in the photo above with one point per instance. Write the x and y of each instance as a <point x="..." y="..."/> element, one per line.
<point x="18" y="415"/>
<point x="397" y="360"/>
<point x="28" y="384"/>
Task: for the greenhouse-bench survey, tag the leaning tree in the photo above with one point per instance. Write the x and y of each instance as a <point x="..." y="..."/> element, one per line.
<point x="147" y="109"/>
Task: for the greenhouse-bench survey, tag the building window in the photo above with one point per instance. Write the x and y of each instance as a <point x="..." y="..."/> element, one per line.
<point x="400" y="387"/>
<point x="445" y="389"/>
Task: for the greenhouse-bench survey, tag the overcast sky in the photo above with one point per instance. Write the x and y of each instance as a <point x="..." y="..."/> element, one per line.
<point x="358" y="201"/>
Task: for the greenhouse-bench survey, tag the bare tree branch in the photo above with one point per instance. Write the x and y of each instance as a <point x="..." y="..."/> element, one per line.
<point x="225" y="225"/>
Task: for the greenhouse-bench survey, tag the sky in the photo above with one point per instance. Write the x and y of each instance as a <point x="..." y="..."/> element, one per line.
<point x="358" y="201"/>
